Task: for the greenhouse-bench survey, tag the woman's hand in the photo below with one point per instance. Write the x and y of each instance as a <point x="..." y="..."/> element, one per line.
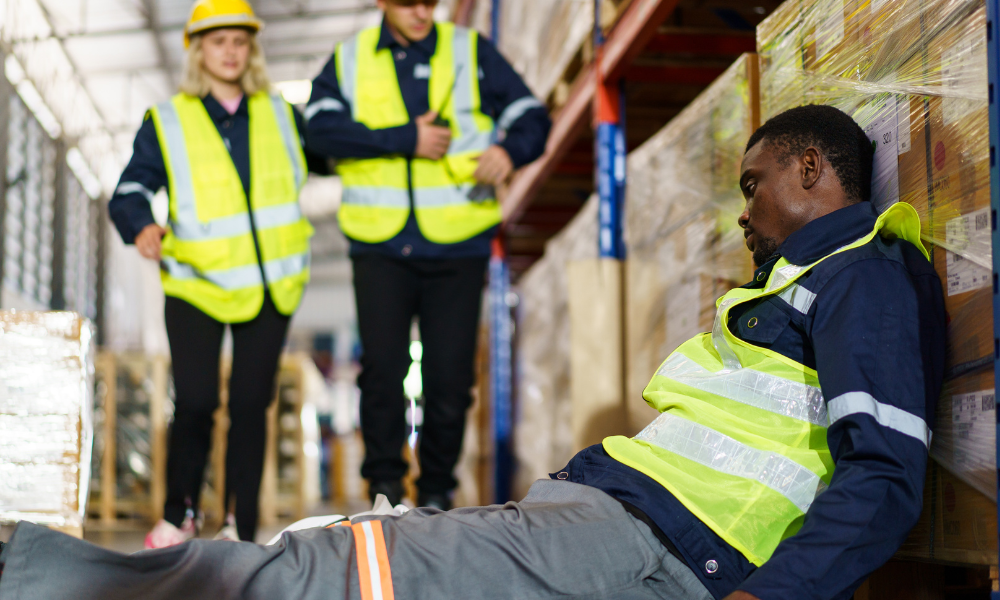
<point x="739" y="595"/>
<point x="495" y="166"/>
<point x="148" y="241"/>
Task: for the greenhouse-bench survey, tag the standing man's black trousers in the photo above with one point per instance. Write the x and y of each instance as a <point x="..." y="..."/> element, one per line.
<point x="446" y="297"/>
<point x="195" y="346"/>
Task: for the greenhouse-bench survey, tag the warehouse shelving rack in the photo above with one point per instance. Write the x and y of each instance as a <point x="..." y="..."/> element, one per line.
<point x="993" y="53"/>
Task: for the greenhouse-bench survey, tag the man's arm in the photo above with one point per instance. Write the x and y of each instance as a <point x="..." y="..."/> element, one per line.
<point x="130" y="207"/>
<point x="331" y="130"/>
<point x="878" y="337"/>
<point x="314" y="162"/>
<point x="522" y="121"/>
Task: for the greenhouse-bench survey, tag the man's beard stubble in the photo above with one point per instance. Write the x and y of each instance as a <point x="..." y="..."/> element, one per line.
<point x="764" y="249"/>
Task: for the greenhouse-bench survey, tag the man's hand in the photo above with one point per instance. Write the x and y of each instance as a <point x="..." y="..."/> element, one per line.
<point x="738" y="595"/>
<point x="432" y="140"/>
<point x="148" y="241"/>
<point x="495" y="166"/>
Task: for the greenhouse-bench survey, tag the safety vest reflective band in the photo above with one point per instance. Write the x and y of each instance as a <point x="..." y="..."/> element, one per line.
<point x="209" y="258"/>
<point x="741" y="438"/>
<point x="374" y="574"/>
<point x="377" y="192"/>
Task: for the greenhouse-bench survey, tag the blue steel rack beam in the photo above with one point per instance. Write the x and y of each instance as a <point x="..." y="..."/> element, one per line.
<point x="993" y="51"/>
<point x="501" y="350"/>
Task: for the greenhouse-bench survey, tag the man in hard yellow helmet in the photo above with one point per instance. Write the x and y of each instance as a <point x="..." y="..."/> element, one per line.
<point x="234" y="253"/>
<point x="787" y="461"/>
<point x="425" y="120"/>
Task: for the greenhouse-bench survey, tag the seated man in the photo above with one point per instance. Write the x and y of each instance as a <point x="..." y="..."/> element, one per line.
<point x="787" y="462"/>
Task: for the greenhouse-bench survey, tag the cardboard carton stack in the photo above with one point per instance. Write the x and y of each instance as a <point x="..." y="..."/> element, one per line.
<point x="913" y="74"/>
<point x="46" y="418"/>
<point x="685" y="248"/>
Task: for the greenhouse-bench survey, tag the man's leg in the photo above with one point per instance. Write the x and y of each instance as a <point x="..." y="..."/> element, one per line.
<point x="563" y="540"/>
<point x="256" y="351"/>
<point x="385" y="291"/>
<point x="195" y="343"/>
<point x="450" y="302"/>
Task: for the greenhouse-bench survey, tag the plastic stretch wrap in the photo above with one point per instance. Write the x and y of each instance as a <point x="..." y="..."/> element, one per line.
<point x="542" y="437"/>
<point x="46" y="416"/>
<point x="685" y="248"/>
<point x="913" y="75"/>
<point x="541" y="37"/>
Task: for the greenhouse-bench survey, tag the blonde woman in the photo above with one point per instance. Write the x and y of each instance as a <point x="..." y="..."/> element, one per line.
<point x="234" y="253"/>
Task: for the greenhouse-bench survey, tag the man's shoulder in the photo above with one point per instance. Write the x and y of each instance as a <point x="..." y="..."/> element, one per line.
<point x="881" y="260"/>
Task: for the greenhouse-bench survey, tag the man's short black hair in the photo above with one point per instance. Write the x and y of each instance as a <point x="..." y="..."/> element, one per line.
<point x="838" y="137"/>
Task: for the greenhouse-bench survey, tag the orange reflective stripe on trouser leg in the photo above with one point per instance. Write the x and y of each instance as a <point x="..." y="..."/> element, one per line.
<point x="373" y="561"/>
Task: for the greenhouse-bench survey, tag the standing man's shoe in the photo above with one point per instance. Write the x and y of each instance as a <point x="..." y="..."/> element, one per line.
<point x="392" y="490"/>
<point x="438" y="501"/>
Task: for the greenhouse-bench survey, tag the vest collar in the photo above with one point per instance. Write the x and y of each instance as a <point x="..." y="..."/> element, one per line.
<point x="427" y="46"/>
<point x="828" y="233"/>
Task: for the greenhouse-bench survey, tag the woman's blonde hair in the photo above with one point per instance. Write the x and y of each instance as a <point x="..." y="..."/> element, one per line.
<point x="195" y="80"/>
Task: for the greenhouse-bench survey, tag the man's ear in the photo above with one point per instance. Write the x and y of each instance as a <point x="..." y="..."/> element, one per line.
<point x="811" y="165"/>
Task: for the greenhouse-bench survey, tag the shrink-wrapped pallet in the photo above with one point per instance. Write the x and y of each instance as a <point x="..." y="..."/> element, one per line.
<point x="46" y="417"/>
<point x="685" y="248"/>
<point x="541" y="37"/>
<point x="543" y="439"/>
<point x="913" y="75"/>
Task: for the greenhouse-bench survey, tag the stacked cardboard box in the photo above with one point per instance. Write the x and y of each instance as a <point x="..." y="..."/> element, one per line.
<point x="913" y="74"/>
<point x="46" y="417"/>
<point x="543" y="434"/>
<point x="685" y="248"/>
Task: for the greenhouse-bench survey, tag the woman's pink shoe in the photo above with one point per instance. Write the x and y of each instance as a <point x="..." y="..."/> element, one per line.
<point x="166" y="534"/>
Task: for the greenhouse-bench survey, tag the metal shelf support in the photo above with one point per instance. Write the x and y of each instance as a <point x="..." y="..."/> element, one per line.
<point x="993" y="52"/>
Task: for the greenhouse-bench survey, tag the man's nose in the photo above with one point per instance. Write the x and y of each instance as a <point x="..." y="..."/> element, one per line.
<point x="744" y="218"/>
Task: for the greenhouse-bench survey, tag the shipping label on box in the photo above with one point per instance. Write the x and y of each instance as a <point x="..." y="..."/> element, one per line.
<point x="973" y="427"/>
<point x="962" y="64"/>
<point x="882" y="118"/>
<point x="970" y="235"/>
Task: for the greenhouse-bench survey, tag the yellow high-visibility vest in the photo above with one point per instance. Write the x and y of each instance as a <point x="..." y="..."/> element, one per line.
<point x="741" y="438"/>
<point x="208" y="257"/>
<point x="376" y="200"/>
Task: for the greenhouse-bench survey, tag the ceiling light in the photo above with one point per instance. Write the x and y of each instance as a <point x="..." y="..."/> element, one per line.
<point x="295" y="91"/>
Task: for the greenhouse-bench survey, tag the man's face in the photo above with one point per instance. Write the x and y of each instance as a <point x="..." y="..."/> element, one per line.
<point x="414" y="19"/>
<point x="776" y="205"/>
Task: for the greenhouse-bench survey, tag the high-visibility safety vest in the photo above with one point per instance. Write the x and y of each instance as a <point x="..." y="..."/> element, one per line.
<point x="377" y="191"/>
<point x="741" y="438"/>
<point x="208" y="257"/>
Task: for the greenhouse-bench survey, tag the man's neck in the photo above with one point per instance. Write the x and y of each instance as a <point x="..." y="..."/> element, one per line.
<point x="396" y="35"/>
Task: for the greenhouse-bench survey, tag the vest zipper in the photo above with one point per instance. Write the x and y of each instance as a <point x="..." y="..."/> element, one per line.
<point x="256" y="244"/>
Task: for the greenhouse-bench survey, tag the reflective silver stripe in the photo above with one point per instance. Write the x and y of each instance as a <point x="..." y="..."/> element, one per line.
<point x="277" y="216"/>
<point x="516" y="110"/>
<point x="278" y="269"/>
<point x="798" y="297"/>
<point x="226" y="227"/>
<point x="437" y="197"/>
<point x="230" y="279"/>
<point x="477" y="141"/>
<point x="293" y="144"/>
<point x="753" y="388"/>
<point x="380" y="197"/>
<point x="853" y="403"/>
<point x="331" y="104"/>
<point x="780" y="276"/>
<point x="722" y="453"/>
<point x="374" y="573"/>
<point x="730" y="362"/>
<point x="463" y="69"/>
<point x="182" y="191"/>
<point x="132" y="187"/>
<point x="348" y="57"/>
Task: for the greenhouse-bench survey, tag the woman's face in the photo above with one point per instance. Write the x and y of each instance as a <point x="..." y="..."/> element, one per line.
<point x="226" y="53"/>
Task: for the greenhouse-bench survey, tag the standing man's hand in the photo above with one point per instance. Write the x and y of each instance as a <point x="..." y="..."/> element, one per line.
<point x="148" y="241"/>
<point x="739" y="595"/>
<point x="495" y="166"/>
<point x="432" y="140"/>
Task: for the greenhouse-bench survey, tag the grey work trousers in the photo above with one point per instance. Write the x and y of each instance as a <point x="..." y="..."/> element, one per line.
<point x="564" y="540"/>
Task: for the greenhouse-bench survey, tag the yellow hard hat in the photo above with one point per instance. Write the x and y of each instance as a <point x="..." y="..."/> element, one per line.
<point x="211" y="14"/>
